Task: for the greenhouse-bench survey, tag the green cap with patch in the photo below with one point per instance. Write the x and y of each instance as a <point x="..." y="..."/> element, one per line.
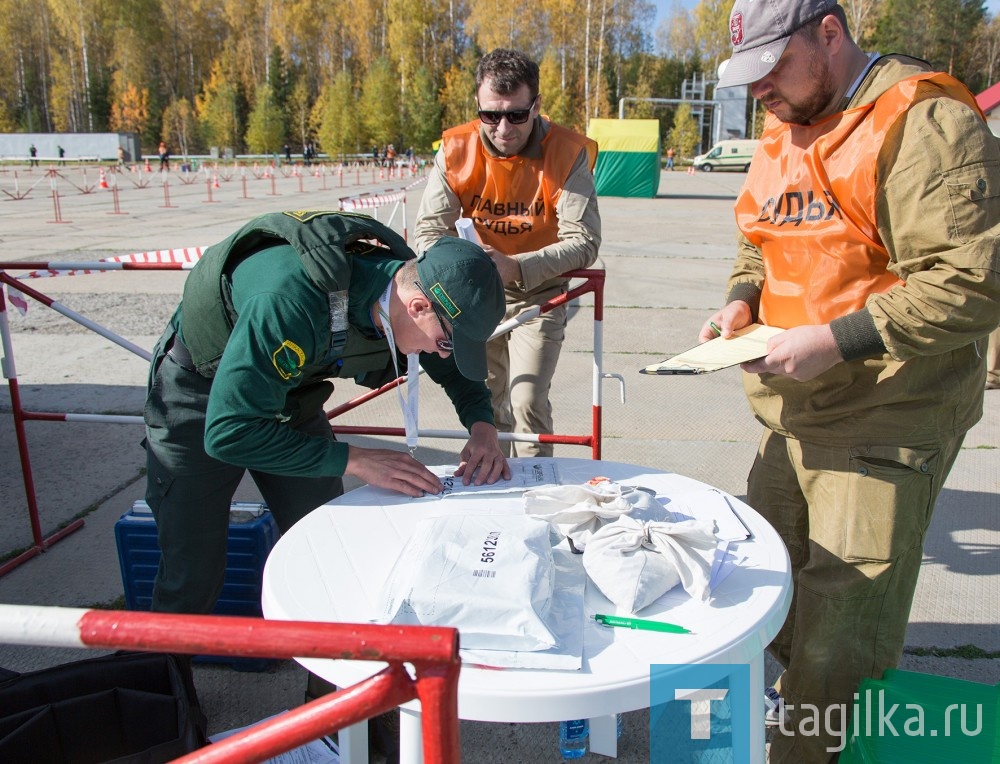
<point x="463" y="280"/>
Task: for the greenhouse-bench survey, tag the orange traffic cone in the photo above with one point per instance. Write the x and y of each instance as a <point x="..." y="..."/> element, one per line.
<point x="215" y="180"/>
<point x="148" y="168"/>
<point x="691" y="169"/>
<point x="104" y="179"/>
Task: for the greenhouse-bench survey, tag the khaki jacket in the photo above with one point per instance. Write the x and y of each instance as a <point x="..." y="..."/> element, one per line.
<point x="937" y="213"/>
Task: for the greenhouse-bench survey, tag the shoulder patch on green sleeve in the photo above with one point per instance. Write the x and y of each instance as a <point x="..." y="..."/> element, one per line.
<point x="288" y="359"/>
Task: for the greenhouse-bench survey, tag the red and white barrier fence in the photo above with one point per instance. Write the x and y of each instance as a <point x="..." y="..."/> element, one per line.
<point x="432" y="652"/>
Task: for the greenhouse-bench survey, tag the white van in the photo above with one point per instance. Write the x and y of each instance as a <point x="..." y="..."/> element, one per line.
<point x="727" y="155"/>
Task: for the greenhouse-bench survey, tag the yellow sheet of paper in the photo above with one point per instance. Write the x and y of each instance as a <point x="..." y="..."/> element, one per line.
<point x="746" y="344"/>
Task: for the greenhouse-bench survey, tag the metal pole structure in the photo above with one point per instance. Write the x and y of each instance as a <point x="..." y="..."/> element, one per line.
<point x="431" y="650"/>
<point x="39" y="543"/>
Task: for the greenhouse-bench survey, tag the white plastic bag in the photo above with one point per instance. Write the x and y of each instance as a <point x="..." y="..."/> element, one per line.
<point x="580" y="510"/>
<point x="491" y="577"/>
<point x="634" y="562"/>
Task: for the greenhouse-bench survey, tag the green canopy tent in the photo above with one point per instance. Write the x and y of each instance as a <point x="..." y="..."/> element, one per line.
<point x="628" y="157"/>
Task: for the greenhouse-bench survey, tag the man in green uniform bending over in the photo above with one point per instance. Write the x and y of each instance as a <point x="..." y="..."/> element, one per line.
<point x="239" y="378"/>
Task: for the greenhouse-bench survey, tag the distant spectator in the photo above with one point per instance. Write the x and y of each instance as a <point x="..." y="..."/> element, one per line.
<point x="121" y="156"/>
<point x="33" y="152"/>
<point x="670" y="158"/>
<point x="164" y="153"/>
<point x="288" y="153"/>
<point x="62" y="155"/>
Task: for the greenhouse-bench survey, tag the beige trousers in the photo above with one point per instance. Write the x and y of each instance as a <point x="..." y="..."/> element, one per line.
<point x="521" y="366"/>
<point x="854" y="520"/>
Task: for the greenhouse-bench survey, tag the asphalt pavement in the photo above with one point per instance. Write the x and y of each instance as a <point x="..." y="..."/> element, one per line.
<point x="666" y="261"/>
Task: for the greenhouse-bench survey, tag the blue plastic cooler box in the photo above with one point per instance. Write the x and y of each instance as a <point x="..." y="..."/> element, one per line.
<point x="252" y="534"/>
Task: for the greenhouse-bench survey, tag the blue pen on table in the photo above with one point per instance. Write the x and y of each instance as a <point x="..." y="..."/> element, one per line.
<point x="639" y="623"/>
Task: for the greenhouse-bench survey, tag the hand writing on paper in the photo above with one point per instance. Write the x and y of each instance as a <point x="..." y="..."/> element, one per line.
<point x="802" y="353"/>
<point x="734" y="316"/>
<point x="396" y="470"/>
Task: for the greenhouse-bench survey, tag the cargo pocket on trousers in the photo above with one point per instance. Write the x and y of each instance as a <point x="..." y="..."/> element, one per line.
<point x="158" y="481"/>
<point x="889" y="501"/>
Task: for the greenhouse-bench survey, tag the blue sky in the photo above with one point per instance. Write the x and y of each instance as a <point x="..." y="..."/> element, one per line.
<point x="663" y="7"/>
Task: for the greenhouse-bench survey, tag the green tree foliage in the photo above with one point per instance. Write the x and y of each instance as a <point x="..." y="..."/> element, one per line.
<point x="379" y="104"/>
<point x="179" y="126"/>
<point x="684" y="134"/>
<point x="934" y="30"/>
<point x="266" y="125"/>
<point x="82" y="65"/>
<point x="458" y="92"/>
<point x="558" y="102"/>
<point x="219" y="109"/>
<point x="642" y="89"/>
<point x="421" y="112"/>
<point x="334" y="121"/>
<point x="298" y="108"/>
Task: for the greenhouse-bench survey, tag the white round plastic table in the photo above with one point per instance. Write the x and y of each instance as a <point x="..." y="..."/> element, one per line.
<point x="331" y="566"/>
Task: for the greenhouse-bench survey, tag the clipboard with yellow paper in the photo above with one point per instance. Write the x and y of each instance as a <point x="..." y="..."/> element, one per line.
<point x="746" y="344"/>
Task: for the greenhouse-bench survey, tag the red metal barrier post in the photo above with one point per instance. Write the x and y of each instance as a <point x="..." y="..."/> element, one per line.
<point x="433" y="652"/>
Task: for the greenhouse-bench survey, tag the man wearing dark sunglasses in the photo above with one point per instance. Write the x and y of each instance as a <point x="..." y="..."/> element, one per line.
<point x="528" y="187"/>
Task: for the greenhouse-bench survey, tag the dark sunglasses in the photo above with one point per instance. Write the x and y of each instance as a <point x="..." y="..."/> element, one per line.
<point x="515" y="116"/>
<point x="445" y="345"/>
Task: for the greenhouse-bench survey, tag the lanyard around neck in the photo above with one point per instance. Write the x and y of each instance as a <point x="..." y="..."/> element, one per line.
<point x="409" y="404"/>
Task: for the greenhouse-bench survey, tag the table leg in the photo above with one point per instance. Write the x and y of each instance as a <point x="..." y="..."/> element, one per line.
<point x="411" y="740"/>
<point x="353" y="743"/>
<point x="757" y="709"/>
<point x="604" y="735"/>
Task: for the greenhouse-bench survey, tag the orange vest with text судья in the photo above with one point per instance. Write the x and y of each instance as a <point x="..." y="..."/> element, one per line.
<point x="512" y="200"/>
<point x="810" y="207"/>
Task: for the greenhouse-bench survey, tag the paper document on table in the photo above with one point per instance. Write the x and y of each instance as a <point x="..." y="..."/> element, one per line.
<point x="746" y="344"/>
<point x="528" y="474"/>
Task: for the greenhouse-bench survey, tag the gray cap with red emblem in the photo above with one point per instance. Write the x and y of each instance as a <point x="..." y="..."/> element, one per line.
<point x="760" y="30"/>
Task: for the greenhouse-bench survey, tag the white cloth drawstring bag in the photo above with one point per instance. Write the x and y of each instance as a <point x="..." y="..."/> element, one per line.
<point x="634" y="562"/>
<point x="580" y="510"/>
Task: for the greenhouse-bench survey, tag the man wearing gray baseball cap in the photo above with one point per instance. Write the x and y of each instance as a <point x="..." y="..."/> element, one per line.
<point x="870" y="231"/>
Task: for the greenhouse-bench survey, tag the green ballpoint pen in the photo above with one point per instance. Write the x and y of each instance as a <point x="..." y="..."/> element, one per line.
<point x="639" y="623"/>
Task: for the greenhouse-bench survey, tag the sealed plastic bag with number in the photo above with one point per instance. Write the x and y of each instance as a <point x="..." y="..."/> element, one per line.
<point x="491" y="577"/>
<point x="634" y="563"/>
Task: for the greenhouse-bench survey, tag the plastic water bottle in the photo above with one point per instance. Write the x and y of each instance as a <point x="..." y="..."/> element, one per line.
<point x="573" y="738"/>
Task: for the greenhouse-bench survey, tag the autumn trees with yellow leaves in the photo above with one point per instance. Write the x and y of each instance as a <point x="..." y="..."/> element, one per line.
<point x="255" y="74"/>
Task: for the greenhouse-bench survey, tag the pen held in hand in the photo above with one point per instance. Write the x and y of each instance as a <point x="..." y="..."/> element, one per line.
<point x="639" y="623"/>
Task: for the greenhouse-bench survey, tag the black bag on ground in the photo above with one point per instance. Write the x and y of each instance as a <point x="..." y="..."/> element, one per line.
<point x="126" y="707"/>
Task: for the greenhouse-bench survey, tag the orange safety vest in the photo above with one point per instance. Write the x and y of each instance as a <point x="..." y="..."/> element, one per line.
<point x="809" y="206"/>
<point x="512" y="200"/>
